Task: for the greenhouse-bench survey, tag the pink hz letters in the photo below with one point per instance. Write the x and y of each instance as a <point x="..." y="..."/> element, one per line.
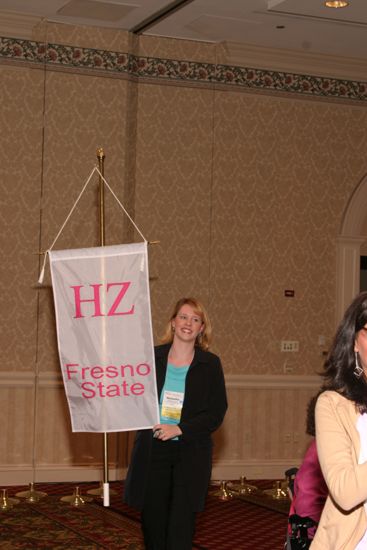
<point x="96" y="300"/>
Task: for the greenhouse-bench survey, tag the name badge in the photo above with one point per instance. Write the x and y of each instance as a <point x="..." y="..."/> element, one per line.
<point x="172" y="405"/>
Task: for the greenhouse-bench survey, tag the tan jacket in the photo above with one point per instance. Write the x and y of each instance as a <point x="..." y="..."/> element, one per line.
<point x="343" y="521"/>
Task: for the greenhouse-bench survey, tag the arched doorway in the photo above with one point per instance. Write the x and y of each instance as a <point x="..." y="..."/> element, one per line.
<point x="353" y="233"/>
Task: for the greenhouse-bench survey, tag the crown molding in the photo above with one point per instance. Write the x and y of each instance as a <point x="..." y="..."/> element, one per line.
<point x="245" y="55"/>
<point x="14" y="25"/>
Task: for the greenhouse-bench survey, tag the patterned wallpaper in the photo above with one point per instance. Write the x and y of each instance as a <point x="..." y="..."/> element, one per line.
<point x="279" y="189"/>
<point x="21" y="104"/>
<point x="244" y="191"/>
<point x="243" y="176"/>
<point x="173" y="191"/>
<point x="264" y="219"/>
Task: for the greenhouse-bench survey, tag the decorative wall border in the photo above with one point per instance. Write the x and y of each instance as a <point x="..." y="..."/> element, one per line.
<point x="188" y="72"/>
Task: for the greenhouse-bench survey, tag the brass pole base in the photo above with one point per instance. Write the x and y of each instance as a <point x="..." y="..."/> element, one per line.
<point x="278" y="492"/>
<point x="6" y="503"/>
<point x="223" y="493"/>
<point x="243" y="488"/>
<point x="99" y="492"/>
<point x="76" y="499"/>
<point x="31" y="495"/>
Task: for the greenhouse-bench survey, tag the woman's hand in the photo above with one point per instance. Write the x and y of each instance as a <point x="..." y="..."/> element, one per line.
<point x="166" y="431"/>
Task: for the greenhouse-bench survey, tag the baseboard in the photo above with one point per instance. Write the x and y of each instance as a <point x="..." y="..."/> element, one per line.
<point x="54" y="474"/>
<point x="224" y="470"/>
<point x="270" y="469"/>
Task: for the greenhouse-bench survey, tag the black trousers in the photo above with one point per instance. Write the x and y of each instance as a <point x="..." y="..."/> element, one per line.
<point x="167" y="519"/>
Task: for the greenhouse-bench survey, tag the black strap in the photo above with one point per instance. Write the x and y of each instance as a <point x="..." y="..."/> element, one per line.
<point x="298" y="538"/>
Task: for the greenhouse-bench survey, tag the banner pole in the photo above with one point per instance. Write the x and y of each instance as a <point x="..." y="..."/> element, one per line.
<point x="101" y="157"/>
<point x="102" y="242"/>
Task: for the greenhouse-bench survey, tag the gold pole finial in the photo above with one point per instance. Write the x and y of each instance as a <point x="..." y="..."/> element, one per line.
<point x="100" y="153"/>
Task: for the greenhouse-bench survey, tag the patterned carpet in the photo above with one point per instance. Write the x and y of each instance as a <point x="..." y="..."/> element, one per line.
<point x="242" y="524"/>
<point x="51" y="524"/>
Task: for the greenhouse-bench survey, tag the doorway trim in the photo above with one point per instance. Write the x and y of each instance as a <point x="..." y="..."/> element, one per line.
<point x="348" y="250"/>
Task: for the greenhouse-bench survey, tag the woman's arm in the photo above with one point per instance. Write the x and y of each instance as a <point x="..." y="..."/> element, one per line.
<point x="209" y="413"/>
<point x="345" y="478"/>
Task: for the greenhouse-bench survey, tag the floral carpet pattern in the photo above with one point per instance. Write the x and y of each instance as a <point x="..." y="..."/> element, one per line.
<point x="50" y="524"/>
<point x="53" y="524"/>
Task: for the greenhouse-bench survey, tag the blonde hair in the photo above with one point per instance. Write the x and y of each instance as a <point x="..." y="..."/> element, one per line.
<point x="203" y="339"/>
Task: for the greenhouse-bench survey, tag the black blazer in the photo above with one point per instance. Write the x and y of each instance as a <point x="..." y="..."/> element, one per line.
<point x="203" y="410"/>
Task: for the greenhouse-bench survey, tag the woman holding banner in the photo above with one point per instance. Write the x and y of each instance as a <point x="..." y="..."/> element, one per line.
<point x="170" y="468"/>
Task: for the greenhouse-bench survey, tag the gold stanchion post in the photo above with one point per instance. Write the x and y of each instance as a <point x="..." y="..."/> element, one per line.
<point x="76" y="499"/>
<point x="278" y="491"/>
<point x="31" y="495"/>
<point x="243" y="488"/>
<point x="223" y="493"/>
<point x="6" y="503"/>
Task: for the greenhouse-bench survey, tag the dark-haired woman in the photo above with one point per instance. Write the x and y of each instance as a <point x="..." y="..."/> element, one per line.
<point x="341" y="435"/>
<point x="170" y="468"/>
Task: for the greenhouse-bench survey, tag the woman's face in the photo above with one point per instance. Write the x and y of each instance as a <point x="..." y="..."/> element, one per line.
<point x="187" y="324"/>
<point x="360" y="345"/>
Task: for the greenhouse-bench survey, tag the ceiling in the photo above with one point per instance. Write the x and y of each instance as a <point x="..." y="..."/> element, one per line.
<point x="305" y="26"/>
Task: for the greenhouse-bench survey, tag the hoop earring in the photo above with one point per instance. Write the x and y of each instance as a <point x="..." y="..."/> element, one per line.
<point x="357" y="371"/>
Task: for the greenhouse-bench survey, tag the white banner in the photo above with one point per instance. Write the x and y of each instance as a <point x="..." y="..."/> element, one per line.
<point x="104" y="334"/>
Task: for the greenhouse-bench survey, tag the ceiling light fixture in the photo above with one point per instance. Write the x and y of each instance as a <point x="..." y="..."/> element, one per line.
<point x="336" y="4"/>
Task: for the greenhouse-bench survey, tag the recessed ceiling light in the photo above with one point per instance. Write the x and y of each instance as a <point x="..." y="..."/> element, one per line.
<point x="336" y="4"/>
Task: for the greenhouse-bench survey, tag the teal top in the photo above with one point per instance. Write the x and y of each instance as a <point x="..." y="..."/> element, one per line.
<point x="173" y="393"/>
